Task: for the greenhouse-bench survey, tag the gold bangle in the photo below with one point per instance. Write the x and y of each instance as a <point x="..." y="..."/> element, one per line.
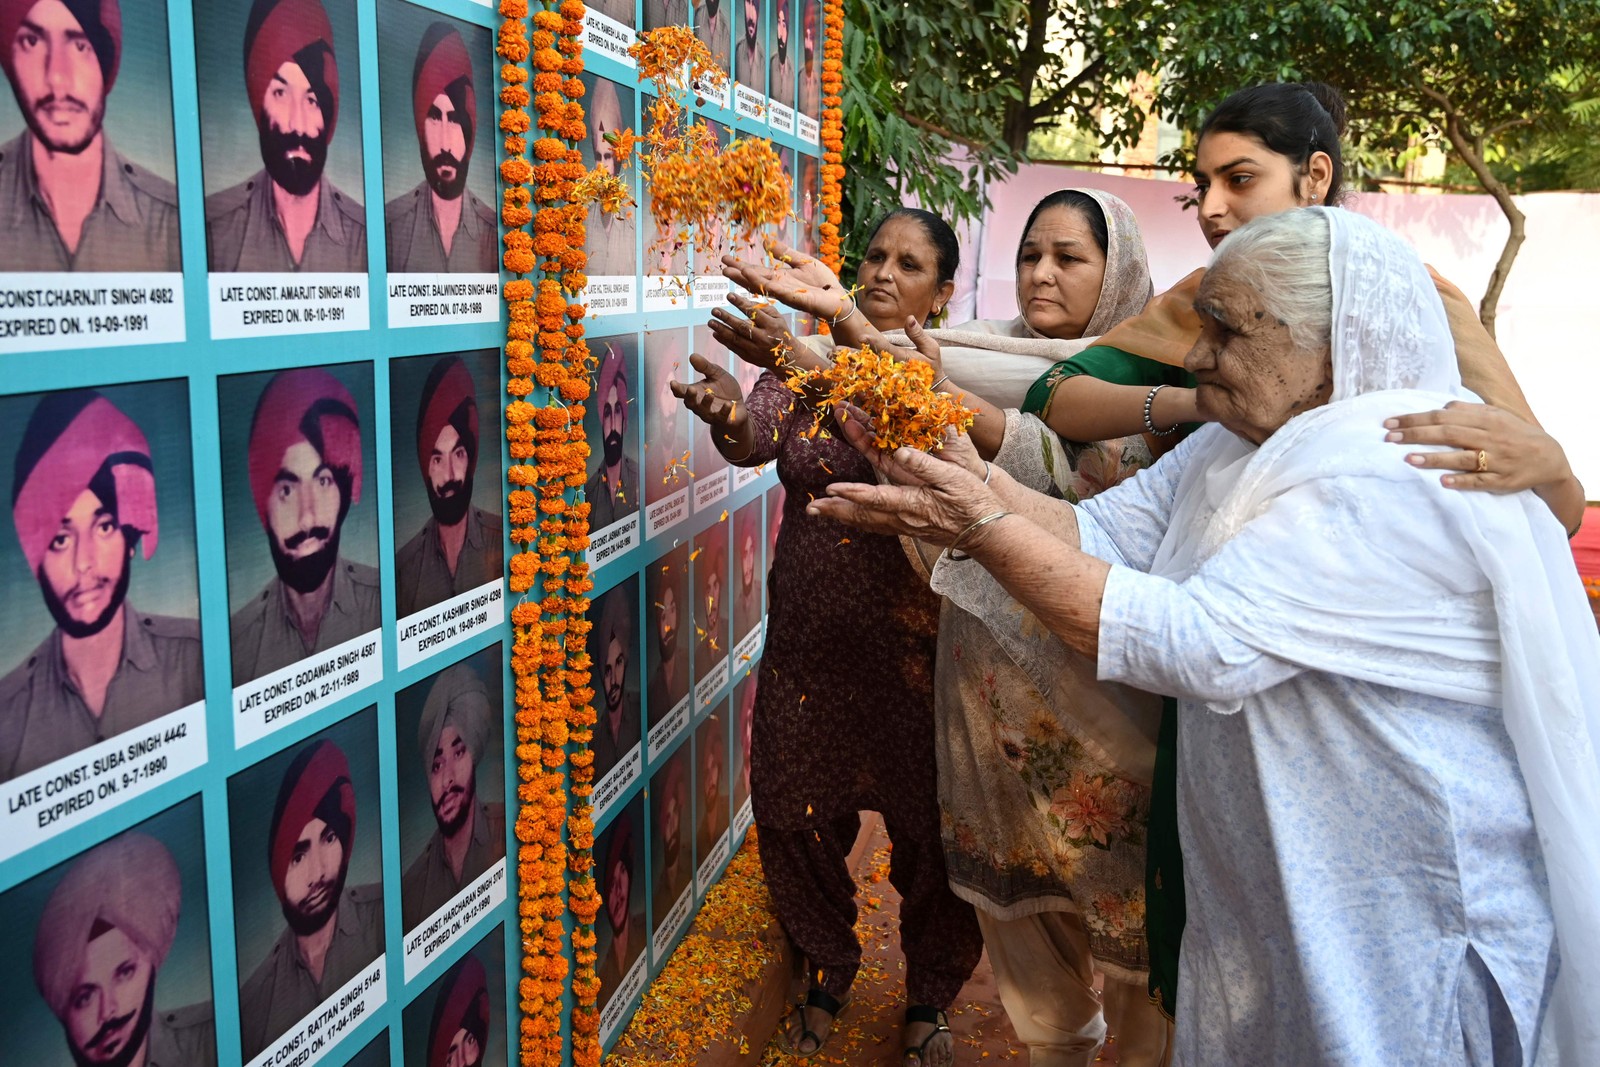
<point x="962" y="536"/>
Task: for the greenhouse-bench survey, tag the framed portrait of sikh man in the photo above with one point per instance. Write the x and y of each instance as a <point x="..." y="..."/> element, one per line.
<point x="280" y="145"/>
<point x="670" y="614"/>
<point x="613" y="229"/>
<point x="671" y="851"/>
<point x="749" y="579"/>
<point x="750" y="63"/>
<point x="614" y="651"/>
<point x="100" y="637"/>
<point x="105" y="959"/>
<point x="711" y="627"/>
<point x="307" y="888"/>
<point x="611" y="423"/>
<point x="809" y="92"/>
<point x="442" y="236"/>
<point x="458" y="1020"/>
<point x="666" y="473"/>
<point x="781" y="66"/>
<point x="620" y="926"/>
<point x="713" y="476"/>
<point x="451" y="741"/>
<point x="302" y="535"/>
<point x="87" y="170"/>
<point x="449" y="566"/>
<point x="710" y="800"/>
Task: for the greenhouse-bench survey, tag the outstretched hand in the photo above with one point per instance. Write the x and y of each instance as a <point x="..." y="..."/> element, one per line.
<point x="761" y="337"/>
<point x="801" y="282"/>
<point x="716" y="398"/>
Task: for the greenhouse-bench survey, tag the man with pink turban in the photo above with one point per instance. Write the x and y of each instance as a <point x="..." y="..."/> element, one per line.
<point x="83" y="499"/>
<point x="461" y="546"/>
<point x="98" y="949"/>
<point x="333" y="931"/>
<point x="305" y="474"/>
<point x="613" y="490"/>
<point x="440" y="227"/>
<point x="457" y="725"/>
<point x="289" y="216"/>
<point x="69" y="201"/>
<point x="458" y="1032"/>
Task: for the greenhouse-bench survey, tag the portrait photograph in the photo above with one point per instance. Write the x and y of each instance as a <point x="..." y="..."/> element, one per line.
<point x="619" y="11"/>
<point x="436" y="94"/>
<point x="710" y="784"/>
<point x="301" y="520"/>
<point x="711" y="623"/>
<point x="101" y="629"/>
<point x="671" y="836"/>
<point x="280" y="135"/>
<point x="786" y="228"/>
<point x="707" y="460"/>
<point x="743" y="705"/>
<point x="810" y="88"/>
<point x="619" y="871"/>
<point x="713" y="24"/>
<point x="748" y="575"/>
<point x="450" y="739"/>
<point x="611" y="238"/>
<point x="445" y="418"/>
<point x="105" y="959"/>
<point x="614" y="652"/>
<point x="783" y="60"/>
<point x="666" y="252"/>
<point x="667" y="649"/>
<point x="659" y="13"/>
<point x="611" y="422"/>
<point x="750" y="53"/>
<point x="87" y="166"/>
<point x="809" y="192"/>
<point x="304" y="864"/>
<point x="666" y="451"/>
<point x="459" y="1020"/>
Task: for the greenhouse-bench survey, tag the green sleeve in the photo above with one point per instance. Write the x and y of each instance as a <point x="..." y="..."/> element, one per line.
<point x="1109" y="365"/>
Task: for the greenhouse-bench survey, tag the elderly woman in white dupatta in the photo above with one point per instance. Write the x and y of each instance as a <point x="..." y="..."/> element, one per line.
<point x="1389" y="707"/>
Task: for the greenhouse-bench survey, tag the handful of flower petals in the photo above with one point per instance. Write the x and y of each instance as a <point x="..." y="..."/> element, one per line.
<point x="897" y="396"/>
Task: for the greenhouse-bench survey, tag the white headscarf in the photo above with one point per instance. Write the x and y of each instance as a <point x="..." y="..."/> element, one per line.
<point x="1535" y="654"/>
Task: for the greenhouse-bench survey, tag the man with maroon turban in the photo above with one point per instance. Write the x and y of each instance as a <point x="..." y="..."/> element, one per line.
<point x="83" y="499"/>
<point x="440" y="227"/>
<point x="454" y="732"/>
<point x="621" y="932"/>
<point x="460" y="547"/>
<point x="98" y="949"/>
<point x="458" y="1032"/>
<point x="333" y="931"/>
<point x="669" y="799"/>
<point x="305" y="474"/>
<point x="69" y="201"/>
<point x="613" y="490"/>
<point x="611" y="650"/>
<point x="289" y="217"/>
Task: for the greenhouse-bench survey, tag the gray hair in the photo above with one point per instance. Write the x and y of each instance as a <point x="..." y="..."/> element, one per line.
<point x="1283" y="258"/>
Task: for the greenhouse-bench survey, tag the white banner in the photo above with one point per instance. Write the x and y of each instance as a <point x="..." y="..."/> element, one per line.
<point x="613" y="540"/>
<point x="743" y="476"/>
<point x="453" y="921"/>
<point x="260" y="304"/>
<point x="810" y="132"/>
<point x="616" y="1009"/>
<point x="65" y="309"/>
<point x="747" y="103"/>
<point x="664" y="513"/>
<point x="742" y="820"/>
<point x="706" y="689"/>
<point x="62" y="795"/>
<point x="443" y="299"/>
<point x="665" y="292"/>
<point x="711" y="290"/>
<point x="749" y="646"/>
<point x="607" y="37"/>
<point x="616" y="782"/>
<point x="610" y="294"/>
<point x="781" y="116"/>
<point x="319" y="1033"/>
<point x="664" y="731"/>
<point x="711" y="866"/>
<point x="432" y="630"/>
<point x="275" y="700"/>
<point x="662" y="939"/>
<point x="710" y="490"/>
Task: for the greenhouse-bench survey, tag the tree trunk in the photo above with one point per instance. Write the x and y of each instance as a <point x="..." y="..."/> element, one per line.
<point x="1471" y="155"/>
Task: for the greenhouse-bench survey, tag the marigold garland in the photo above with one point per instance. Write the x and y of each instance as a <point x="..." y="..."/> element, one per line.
<point x="832" y="131"/>
<point x="549" y="658"/>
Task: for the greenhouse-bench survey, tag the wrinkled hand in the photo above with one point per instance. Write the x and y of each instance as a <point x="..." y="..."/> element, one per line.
<point x="799" y="281"/>
<point x="716" y="398"/>
<point x="760" y="337"/>
<point x="1519" y="455"/>
<point x="932" y="497"/>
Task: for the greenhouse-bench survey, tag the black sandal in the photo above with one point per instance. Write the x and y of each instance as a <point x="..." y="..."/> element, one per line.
<point x="922" y="1013"/>
<point x="816" y="997"/>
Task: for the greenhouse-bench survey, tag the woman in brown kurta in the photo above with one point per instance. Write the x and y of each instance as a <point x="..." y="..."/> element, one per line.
<point x="844" y="704"/>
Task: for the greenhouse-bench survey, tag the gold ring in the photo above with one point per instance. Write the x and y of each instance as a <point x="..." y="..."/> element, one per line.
<point x="1483" y="461"/>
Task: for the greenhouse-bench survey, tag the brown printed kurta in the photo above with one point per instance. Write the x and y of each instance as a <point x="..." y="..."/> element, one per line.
<point x="844" y="720"/>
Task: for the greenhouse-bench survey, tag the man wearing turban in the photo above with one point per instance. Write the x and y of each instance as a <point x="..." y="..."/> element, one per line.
<point x="810" y="69"/>
<point x="747" y="594"/>
<point x="455" y="729"/>
<point x="440" y="227"/>
<point x="711" y="570"/>
<point x="611" y="242"/>
<point x="459" y="548"/>
<point x="669" y="797"/>
<point x="711" y="751"/>
<point x="618" y="890"/>
<point x="69" y="201"/>
<point x="100" y="944"/>
<point x="305" y="473"/>
<point x="713" y="26"/>
<point x="750" y="70"/>
<point x="669" y="681"/>
<point x="780" y="70"/>
<point x="332" y="931"/>
<point x="458" y="1032"/>
<point x="289" y="216"/>
<point x="613" y="490"/>
<point x="611" y="649"/>
<point x="83" y="500"/>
